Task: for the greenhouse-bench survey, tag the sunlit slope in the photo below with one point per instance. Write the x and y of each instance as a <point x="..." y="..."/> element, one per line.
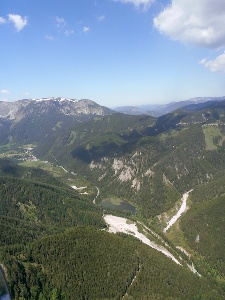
<point x="203" y="225"/>
<point x="149" y="162"/>
<point x="95" y="138"/>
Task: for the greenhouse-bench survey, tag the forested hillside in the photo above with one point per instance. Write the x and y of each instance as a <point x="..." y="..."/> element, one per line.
<point x="203" y="225"/>
<point x="31" y="207"/>
<point x="52" y="249"/>
<point x="150" y="162"/>
<point x="54" y="239"/>
<point x="84" y="263"/>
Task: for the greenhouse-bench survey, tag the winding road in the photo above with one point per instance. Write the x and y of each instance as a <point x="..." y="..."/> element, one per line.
<point x="98" y="192"/>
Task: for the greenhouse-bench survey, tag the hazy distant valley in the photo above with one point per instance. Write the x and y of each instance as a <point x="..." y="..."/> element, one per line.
<point x="159" y="110"/>
<point x="72" y="170"/>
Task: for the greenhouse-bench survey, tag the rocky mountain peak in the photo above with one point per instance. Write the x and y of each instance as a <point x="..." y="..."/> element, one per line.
<point x="18" y="109"/>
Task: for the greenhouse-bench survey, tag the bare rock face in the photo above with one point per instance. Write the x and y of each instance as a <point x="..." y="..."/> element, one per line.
<point x="18" y="109"/>
<point x="10" y="110"/>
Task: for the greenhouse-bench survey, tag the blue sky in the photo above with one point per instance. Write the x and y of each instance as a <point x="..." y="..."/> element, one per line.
<point x="115" y="52"/>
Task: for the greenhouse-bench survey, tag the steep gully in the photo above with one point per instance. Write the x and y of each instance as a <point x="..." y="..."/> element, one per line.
<point x="181" y="210"/>
<point x="118" y="224"/>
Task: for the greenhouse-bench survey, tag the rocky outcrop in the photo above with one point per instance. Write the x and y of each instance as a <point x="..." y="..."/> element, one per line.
<point x="72" y="107"/>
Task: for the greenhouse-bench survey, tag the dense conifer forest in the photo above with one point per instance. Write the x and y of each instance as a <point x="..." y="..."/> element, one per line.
<point x="85" y="263"/>
<point x="54" y="242"/>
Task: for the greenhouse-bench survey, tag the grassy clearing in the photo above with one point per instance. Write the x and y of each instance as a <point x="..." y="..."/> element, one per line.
<point x="213" y="136"/>
<point x="5" y="148"/>
<point x="114" y="201"/>
<point x="176" y="236"/>
<point x="222" y="141"/>
<point x="165" y="136"/>
<point x="172" y="133"/>
<point x="22" y="156"/>
<point x="130" y="222"/>
<point x="9" y="150"/>
<point x="57" y="126"/>
<point x="69" y="179"/>
<point x="12" y="151"/>
<point x="54" y="170"/>
<point x="166" y="216"/>
<point x="72" y="137"/>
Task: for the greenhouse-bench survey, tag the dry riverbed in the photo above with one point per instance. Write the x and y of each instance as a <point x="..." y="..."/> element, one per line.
<point x="118" y="224"/>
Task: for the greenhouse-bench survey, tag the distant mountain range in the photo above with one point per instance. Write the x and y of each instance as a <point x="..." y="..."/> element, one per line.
<point x="17" y="110"/>
<point x="70" y="107"/>
<point x="31" y="120"/>
<point x="159" y="110"/>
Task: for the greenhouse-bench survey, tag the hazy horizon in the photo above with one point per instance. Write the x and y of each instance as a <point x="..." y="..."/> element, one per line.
<point x="115" y="52"/>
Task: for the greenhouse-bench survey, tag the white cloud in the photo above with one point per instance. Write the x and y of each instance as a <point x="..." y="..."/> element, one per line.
<point x="145" y="4"/>
<point x="60" y="22"/>
<point x="17" y="21"/>
<point x="49" y="37"/>
<point x="101" y="18"/>
<point x="198" y="23"/>
<point x="4" y="92"/>
<point x="216" y="65"/>
<point x="86" y="29"/>
<point x="68" y="32"/>
<point x="2" y="20"/>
